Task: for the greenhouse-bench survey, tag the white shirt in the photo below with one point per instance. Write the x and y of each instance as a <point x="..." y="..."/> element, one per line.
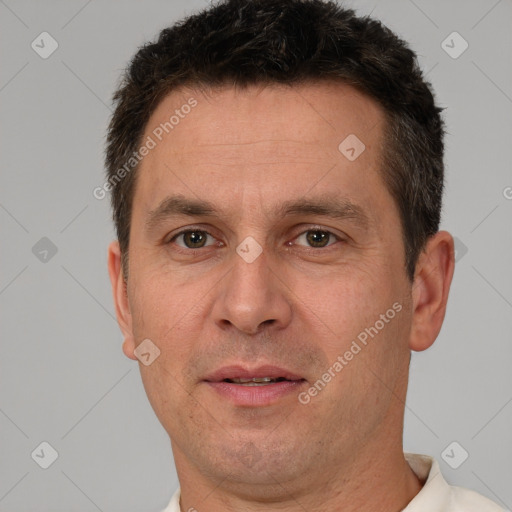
<point x="435" y="496"/>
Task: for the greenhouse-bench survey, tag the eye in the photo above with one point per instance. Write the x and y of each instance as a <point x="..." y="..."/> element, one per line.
<point x="192" y="238"/>
<point x="317" y="238"/>
<point x="198" y="238"/>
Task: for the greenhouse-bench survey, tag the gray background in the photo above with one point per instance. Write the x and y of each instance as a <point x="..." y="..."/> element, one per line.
<point x="64" y="379"/>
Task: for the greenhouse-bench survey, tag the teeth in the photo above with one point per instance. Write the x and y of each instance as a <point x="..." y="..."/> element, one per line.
<point x="255" y="381"/>
<point x="258" y="380"/>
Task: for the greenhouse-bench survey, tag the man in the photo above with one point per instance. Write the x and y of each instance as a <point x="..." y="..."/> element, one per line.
<point x="276" y="169"/>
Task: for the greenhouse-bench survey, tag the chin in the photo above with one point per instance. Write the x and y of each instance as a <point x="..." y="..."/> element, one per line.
<point x="257" y="461"/>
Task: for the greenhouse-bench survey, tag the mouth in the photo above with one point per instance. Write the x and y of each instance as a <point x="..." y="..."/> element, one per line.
<point x="256" y="381"/>
<point x="260" y="376"/>
<point x="260" y="386"/>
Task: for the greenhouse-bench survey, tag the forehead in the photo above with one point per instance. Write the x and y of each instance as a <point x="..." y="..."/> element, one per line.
<point x="266" y="111"/>
<point x="257" y="140"/>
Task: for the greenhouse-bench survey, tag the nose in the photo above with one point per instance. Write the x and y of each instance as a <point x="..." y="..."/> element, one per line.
<point x="252" y="296"/>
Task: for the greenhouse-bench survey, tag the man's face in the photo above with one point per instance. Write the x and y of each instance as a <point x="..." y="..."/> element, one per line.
<point x="212" y="303"/>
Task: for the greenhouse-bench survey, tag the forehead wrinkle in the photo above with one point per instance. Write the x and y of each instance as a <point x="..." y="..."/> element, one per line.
<point x="263" y="141"/>
<point x="290" y="149"/>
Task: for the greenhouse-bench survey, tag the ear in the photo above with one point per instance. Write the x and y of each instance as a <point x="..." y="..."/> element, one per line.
<point x="432" y="280"/>
<point x="120" y="294"/>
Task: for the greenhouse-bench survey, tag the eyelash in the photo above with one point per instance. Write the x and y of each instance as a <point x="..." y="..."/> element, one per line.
<point x="192" y="230"/>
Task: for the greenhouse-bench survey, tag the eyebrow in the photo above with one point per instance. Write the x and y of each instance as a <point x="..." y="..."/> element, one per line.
<point x="324" y="206"/>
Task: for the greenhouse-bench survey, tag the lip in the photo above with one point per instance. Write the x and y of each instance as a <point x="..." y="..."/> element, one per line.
<point x="240" y="372"/>
<point x="254" y="396"/>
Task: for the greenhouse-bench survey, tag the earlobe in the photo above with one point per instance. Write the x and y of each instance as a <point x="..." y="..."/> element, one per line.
<point x="120" y="295"/>
<point x="434" y="272"/>
<point x="129" y="347"/>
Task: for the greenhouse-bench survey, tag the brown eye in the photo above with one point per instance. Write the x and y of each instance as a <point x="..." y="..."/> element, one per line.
<point x="317" y="238"/>
<point x="192" y="239"/>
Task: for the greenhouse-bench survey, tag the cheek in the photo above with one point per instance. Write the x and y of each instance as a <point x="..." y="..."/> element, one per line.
<point x="348" y="305"/>
<point x="165" y="313"/>
<point x="367" y="324"/>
